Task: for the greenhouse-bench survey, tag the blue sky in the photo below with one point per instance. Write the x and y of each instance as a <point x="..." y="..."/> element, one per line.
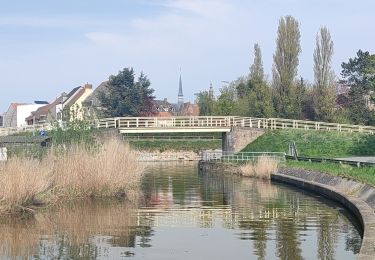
<point x="49" y="46"/>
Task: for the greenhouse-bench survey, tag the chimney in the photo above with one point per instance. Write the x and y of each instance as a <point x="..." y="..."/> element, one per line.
<point x="88" y="86"/>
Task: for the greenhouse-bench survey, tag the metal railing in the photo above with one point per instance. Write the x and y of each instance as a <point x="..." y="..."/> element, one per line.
<point x="242" y="157"/>
<point x="353" y="162"/>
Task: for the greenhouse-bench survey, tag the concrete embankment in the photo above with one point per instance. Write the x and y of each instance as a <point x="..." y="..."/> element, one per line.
<point x="356" y="197"/>
<point x="168" y="156"/>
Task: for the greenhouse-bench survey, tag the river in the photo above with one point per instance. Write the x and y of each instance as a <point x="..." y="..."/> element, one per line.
<point x="185" y="215"/>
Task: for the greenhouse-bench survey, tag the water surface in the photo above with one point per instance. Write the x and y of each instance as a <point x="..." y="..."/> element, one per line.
<point x="185" y="215"/>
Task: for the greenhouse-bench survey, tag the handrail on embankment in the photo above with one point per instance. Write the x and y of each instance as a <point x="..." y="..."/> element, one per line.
<point x="242" y="157"/>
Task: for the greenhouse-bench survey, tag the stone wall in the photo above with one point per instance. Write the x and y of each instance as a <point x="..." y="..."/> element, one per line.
<point x="239" y="137"/>
<point x="167" y="156"/>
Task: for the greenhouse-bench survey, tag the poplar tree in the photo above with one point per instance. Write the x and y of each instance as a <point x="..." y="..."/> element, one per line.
<point x="259" y="95"/>
<point x="285" y="68"/>
<point x="324" y="87"/>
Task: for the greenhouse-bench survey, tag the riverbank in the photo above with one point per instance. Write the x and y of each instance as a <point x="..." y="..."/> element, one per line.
<point x="315" y="143"/>
<point x="358" y="198"/>
<point x="77" y="172"/>
<point x="167" y="156"/>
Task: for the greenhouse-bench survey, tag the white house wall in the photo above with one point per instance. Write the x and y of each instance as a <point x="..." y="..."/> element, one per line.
<point x="23" y="111"/>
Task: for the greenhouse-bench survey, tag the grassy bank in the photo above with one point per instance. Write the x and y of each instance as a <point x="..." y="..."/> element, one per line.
<point x="315" y="143"/>
<point x="365" y="174"/>
<point x="324" y="145"/>
<point x="70" y="173"/>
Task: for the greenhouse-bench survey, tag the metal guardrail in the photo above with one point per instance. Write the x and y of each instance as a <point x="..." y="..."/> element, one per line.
<point x="329" y="160"/>
<point x="219" y="156"/>
<point x="215" y="156"/>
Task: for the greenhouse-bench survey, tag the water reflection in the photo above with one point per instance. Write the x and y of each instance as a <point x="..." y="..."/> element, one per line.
<point x="185" y="215"/>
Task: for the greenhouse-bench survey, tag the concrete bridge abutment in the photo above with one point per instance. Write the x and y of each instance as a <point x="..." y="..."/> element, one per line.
<point x="238" y="138"/>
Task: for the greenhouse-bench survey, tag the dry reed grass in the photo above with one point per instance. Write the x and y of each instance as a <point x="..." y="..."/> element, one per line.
<point x="20" y="181"/>
<point x="111" y="170"/>
<point x="262" y="168"/>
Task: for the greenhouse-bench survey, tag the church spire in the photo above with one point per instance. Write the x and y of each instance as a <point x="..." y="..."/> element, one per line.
<point x="180" y="93"/>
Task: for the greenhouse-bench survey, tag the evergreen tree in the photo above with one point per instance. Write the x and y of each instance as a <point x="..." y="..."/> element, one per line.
<point x="359" y="74"/>
<point x="127" y="97"/>
<point x="285" y="68"/>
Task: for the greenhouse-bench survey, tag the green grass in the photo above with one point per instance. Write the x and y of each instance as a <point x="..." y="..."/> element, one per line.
<point x="185" y="145"/>
<point x="315" y="143"/>
<point x="364" y="174"/>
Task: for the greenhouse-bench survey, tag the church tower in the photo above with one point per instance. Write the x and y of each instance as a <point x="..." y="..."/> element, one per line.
<point x="180" y="94"/>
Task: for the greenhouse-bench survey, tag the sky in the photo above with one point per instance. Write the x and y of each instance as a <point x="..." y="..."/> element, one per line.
<point x="51" y="46"/>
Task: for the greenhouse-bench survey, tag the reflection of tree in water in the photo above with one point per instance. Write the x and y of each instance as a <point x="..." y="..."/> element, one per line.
<point x="327" y="236"/>
<point x="353" y="241"/>
<point x="287" y="242"/>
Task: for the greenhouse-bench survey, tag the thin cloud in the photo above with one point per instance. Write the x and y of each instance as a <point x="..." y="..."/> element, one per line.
<point x="104" y="38"/>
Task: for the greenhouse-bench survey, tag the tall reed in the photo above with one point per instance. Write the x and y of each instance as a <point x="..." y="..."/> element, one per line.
<point x="21" y="180"/>
<point x="262" y="168"/>
<point x="77" y="172"/>
<point x="111" y="170"/>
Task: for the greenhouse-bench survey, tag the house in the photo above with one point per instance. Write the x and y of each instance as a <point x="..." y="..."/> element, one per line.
<point x="17" y="112"/>
<point x="1" y="121"/>
<point x="163" y="108"/>
<point x="189" y="109"/>
<point x="343" y="96"/>
<point x="92" y="105"/>
<point x="71" y="104"/>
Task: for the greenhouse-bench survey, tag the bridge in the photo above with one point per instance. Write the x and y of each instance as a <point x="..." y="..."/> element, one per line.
<point x="222" y="124"/>
<point x="197" y="124"/>
<point x="236" y="131"/>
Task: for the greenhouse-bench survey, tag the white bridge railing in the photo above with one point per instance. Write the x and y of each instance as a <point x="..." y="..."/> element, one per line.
<point x="227" y="122"/>
<point x="199" y="122"/>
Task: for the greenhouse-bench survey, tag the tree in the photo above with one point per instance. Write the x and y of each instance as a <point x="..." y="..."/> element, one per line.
<point x="324" y="88"/>
<point x="206" y="104"/>
<point x="127" y="97"/>
<point x="259" y="93"/>
<point x="256" y="69"/>
<point x="227" y="101"/>
<point x="285" y="67"/>
<point x="359" y="74"/>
